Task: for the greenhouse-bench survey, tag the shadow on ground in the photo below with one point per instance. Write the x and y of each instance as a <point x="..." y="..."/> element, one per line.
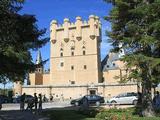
<point x="66" y="113"/>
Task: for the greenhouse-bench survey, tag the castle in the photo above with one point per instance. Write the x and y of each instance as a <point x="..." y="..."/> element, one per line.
<point x="75" y="64"/>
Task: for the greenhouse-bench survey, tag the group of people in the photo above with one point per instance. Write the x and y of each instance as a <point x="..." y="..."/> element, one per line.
<point x="35" y="102"/>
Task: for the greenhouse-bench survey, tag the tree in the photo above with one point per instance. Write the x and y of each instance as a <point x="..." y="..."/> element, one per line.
<point x="19" y="35"/>
<point x="136" y="25"/>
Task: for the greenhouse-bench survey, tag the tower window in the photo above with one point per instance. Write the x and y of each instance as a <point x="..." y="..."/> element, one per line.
<point x="72" y="82"/>
<point x="85" y="66"/>
<point x="72" y="53"/>
<point x="62" y="64"/>
<point x="61" y="54"/>
<point x="84" y="52"/>
<point x="72" y="67"/>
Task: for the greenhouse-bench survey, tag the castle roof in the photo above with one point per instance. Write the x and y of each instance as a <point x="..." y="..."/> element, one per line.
<point x="39" y="57"/>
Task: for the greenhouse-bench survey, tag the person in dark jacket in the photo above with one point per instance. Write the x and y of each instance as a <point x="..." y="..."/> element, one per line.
<point x="22" y="101"/>
<point x="35" y="101"/>
<point x="40" y="102"/>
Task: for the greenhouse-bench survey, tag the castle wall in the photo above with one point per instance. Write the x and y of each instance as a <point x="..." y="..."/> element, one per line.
<point x="72" y="92"/>
<point x="46" y="79"/>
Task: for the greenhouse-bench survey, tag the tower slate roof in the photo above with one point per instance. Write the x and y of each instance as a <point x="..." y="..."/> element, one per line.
<point x="39" y="57"/>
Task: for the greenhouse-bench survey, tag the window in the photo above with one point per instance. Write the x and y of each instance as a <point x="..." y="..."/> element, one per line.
<point x="72" y="67"/>
<point x="72" y="82"/>
<point x="84" y="52"/>
<point x="61" y="64"/>
<point x="72" y="53"/>
<point x="85" y="66"/>
<point x="61" y="54"/>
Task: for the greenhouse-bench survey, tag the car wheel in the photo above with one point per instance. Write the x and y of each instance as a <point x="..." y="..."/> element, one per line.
<point x="113" y="102"/>
<point x="135" y="102"/>
<point x="76" y="104"/>
<point x="97" y="103"/>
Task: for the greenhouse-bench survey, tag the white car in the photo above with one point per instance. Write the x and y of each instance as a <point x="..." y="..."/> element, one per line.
<point x="125" y="98"/>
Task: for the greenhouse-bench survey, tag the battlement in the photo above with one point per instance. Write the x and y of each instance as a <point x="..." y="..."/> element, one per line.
<point x="92" y="20"/>
<point x="93" y="24"/>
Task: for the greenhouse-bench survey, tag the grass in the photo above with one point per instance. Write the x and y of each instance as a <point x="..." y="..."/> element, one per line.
<point x="101" y="114"/>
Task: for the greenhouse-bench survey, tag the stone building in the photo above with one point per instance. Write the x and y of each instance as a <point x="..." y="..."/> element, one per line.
<point x="75" y="64"/>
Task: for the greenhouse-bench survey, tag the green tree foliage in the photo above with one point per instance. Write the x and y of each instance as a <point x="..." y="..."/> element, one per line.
<point x="19" y="35"/>
<point x="136" y="25"/>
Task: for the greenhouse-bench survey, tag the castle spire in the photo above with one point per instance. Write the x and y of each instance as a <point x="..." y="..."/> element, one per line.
<point x="39" y="57"/>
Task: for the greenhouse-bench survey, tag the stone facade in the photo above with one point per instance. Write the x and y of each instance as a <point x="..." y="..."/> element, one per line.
<point x="75" y="66"/>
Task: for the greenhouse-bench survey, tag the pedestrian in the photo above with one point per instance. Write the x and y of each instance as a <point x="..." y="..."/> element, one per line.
<point x="44" y="98"/>
<point x="0" y="103"/>
<point x="35" y="101"/>
<point x="85" y="104"/>
<point x="40" y="102"/>
<point x="22" y="101"/>
<point x="156" y="101"/>
<point x="51" y="97"/>
<point x="30" y="104"/>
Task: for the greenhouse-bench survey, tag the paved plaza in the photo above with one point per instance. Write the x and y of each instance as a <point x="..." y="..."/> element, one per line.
<point x="12" y="112"/>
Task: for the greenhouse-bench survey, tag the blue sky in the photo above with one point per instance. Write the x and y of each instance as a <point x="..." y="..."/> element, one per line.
<point x="47" y="10"/>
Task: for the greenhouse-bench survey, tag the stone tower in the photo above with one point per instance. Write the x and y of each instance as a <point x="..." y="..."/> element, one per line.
<point x="39" y="68"/>
<point x="17" y="88"/>
<point x="75" y="52"/>
<point x="36" y="78"/>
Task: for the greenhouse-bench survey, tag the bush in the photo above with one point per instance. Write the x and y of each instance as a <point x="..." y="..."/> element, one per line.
<point x="114" y="114"/>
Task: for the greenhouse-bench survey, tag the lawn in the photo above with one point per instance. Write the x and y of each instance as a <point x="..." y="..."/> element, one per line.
<point x="101" y="114"/>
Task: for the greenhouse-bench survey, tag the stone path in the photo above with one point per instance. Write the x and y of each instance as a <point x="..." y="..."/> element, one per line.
<point x="20" y="115"/>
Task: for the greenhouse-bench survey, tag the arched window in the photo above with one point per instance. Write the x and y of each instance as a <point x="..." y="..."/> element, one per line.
<point x="72" y="53"/>
<point x="85" y="67"/>
<point x="84" y="52"/>
<point x="61" y="54"/>
<point x="72" y="67"/>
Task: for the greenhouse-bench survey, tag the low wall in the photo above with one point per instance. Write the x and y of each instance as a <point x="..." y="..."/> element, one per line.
<point x="72" y="92"/>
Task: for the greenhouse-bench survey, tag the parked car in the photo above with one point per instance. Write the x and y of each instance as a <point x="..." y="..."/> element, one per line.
<point x="4" y="99"/>
<point x="92" y="99"/>
<point x="27" y="98"/>
<point x="125" y="98"/>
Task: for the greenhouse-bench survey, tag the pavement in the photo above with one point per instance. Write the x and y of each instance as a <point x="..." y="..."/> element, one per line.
<point x="12" y="112"/>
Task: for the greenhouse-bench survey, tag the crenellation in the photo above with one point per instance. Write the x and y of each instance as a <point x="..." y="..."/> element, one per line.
<point x="92" y="26"/>
<point x="53" y="34"/>
<point x="93" y="20"/>
<point x="78" y="28"/>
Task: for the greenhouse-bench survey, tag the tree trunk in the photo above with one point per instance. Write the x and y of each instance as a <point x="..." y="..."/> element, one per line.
<point x="147" y="108"/>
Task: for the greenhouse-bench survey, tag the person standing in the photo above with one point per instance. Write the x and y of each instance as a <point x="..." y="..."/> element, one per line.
<point x="40" y="102"/>
<point x="35" y="101"/>
<point x="51" y="97"/>
<point x="156" y="101"/>
<point x="44" y="98"/>
<point x="22" y="101"/>
<point x="85" y="104"/>
<point x="0" y="103"/>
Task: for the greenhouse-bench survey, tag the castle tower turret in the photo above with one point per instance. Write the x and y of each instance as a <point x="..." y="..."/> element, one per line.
<point x="39" y="69"/>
